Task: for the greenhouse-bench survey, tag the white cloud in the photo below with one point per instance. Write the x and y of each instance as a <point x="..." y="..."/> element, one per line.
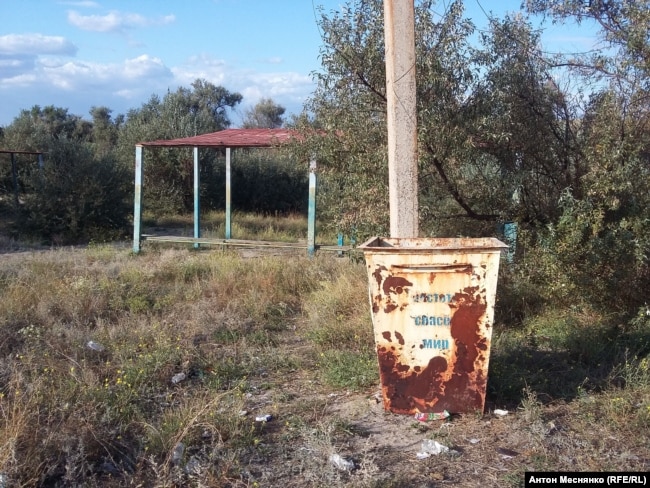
<point x="11" y="63"/>
<point x="81" y="4"/>
<point x="35" y="44"/>
<point x="289" y="89"/>
<point x="204" y="67"/>
<point x="145" y="67"/>
<point x="281" y="84"/>
<point x="79" y="84"/>
<point x="115" y="21"/>
<point x="137" y="74"/>
<point x="23" y="80"/>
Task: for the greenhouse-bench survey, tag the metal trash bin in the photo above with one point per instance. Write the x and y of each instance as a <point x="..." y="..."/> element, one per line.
<point x="432" y="303"/>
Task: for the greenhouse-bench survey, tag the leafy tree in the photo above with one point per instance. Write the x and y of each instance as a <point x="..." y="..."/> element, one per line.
<point x="503" y="135"/>
<point x="266" y="114"/>
<point x="624" y="36"/>
<point x="77" y="196"/>
<point x="81" y="192"/>
<point x="36" y="128"/>
<point x="40" y="129"/>
<point x="600" y="242"/>
<point x="518" y="96"/>
<point x="104" y="130"/>
<point x="476" y="110"/>
<point x="203" y="108"/>
<point x="268" y="181"/>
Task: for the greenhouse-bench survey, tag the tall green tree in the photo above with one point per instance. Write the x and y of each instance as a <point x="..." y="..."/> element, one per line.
<point x="517" y="96"/>
<point x="477" y="106"/>
<point x="36" y="128"/>
<point x="81" y="192"/>
<point x="601" y="240"/>
<point x="202" y="108"/>
<point x="266" y="114"/>
<point x="105" y="130"/>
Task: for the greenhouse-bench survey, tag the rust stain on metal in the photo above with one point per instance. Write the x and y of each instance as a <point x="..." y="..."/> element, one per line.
<point x="389" y="285"/>
<point x="432" y="309"/>
<point x="400" y="338"/>
<point x="455" y="385"/>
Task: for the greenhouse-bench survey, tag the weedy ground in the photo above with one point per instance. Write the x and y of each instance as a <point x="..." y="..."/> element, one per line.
<point x="152" y="370"/>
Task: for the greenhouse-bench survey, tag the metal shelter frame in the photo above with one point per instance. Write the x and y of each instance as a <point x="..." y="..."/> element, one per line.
<point x="14" y="171"/>
<point x="226" y="139"/>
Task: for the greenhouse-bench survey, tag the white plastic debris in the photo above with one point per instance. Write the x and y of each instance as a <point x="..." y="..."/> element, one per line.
<point x="341" y="463"/>
<point x="474" y="441"/>
<point x="177" y="378"/>
<point x="95" y="346"/>
<point x="193" y="466"/>
<point x="263" y="418"/>
<point x="177" y="453"/>
<point x="506" y="453"/>
<point x="429" y="447"/>
<point x="500" y="412"/>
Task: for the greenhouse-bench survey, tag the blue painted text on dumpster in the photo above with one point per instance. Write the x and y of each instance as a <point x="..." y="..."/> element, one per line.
<point x="432" y="297"/>
<point x="435" y="344"/>
<point x="432" y="320"/>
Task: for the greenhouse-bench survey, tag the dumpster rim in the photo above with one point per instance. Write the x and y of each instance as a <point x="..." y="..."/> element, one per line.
<point x="489" y="244"/>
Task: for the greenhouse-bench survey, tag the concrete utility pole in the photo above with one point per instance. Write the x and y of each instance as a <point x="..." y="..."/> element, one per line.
<point x="399" y="30"/>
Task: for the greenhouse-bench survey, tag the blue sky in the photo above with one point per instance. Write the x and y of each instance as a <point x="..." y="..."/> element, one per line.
<point x="117" y="53"/>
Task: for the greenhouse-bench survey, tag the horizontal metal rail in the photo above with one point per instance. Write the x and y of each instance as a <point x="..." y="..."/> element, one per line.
<point x="219" y="241"/>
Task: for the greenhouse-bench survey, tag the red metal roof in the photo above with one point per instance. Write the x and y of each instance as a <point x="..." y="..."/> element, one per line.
<point x="230" y="138"/>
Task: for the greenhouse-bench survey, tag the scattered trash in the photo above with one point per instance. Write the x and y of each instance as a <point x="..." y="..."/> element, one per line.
<point x="4" y="480"/>
<point x="500" y="413"/>
<point x="193" y="466"/>
<point x="507" y="453"/>
<point x="243" y="413"/>
<point x="263" y="418"/>
<point x="177" y="378"/>
<point x="429" y="447"/>
<point x="95" y="346"/>
<point x="474" y="441"/>
<point x="177" y="453"/>
<point x="341" y="463"/>
<point x="424" y="417"/>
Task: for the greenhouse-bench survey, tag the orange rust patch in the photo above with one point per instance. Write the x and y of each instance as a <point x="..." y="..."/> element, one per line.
<point x="457" y="385"/>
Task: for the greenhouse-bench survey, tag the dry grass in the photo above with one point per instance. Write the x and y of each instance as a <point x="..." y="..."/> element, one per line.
<point x="190" y="347"/>
<point x="282" y="228"/>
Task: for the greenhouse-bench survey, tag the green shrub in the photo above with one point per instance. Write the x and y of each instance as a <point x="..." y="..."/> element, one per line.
<point x="77" y="197"/>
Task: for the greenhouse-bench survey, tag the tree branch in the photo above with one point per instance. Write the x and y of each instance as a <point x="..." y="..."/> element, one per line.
<point x="455" y="194"/>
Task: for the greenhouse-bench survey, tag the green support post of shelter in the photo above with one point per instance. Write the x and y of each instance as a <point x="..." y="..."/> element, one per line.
<point x="14" y="179"/>
<point x="137" y="210"/>
<point x="228" y="195"/>
<point x="197" y="200"/>
<point x="311" y="212"/>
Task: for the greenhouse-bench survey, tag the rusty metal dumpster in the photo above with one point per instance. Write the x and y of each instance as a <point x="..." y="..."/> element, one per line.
<point x="432" y="303"/>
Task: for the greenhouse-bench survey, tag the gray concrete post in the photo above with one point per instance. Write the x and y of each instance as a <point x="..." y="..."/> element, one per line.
<point x="399" y="30"/>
